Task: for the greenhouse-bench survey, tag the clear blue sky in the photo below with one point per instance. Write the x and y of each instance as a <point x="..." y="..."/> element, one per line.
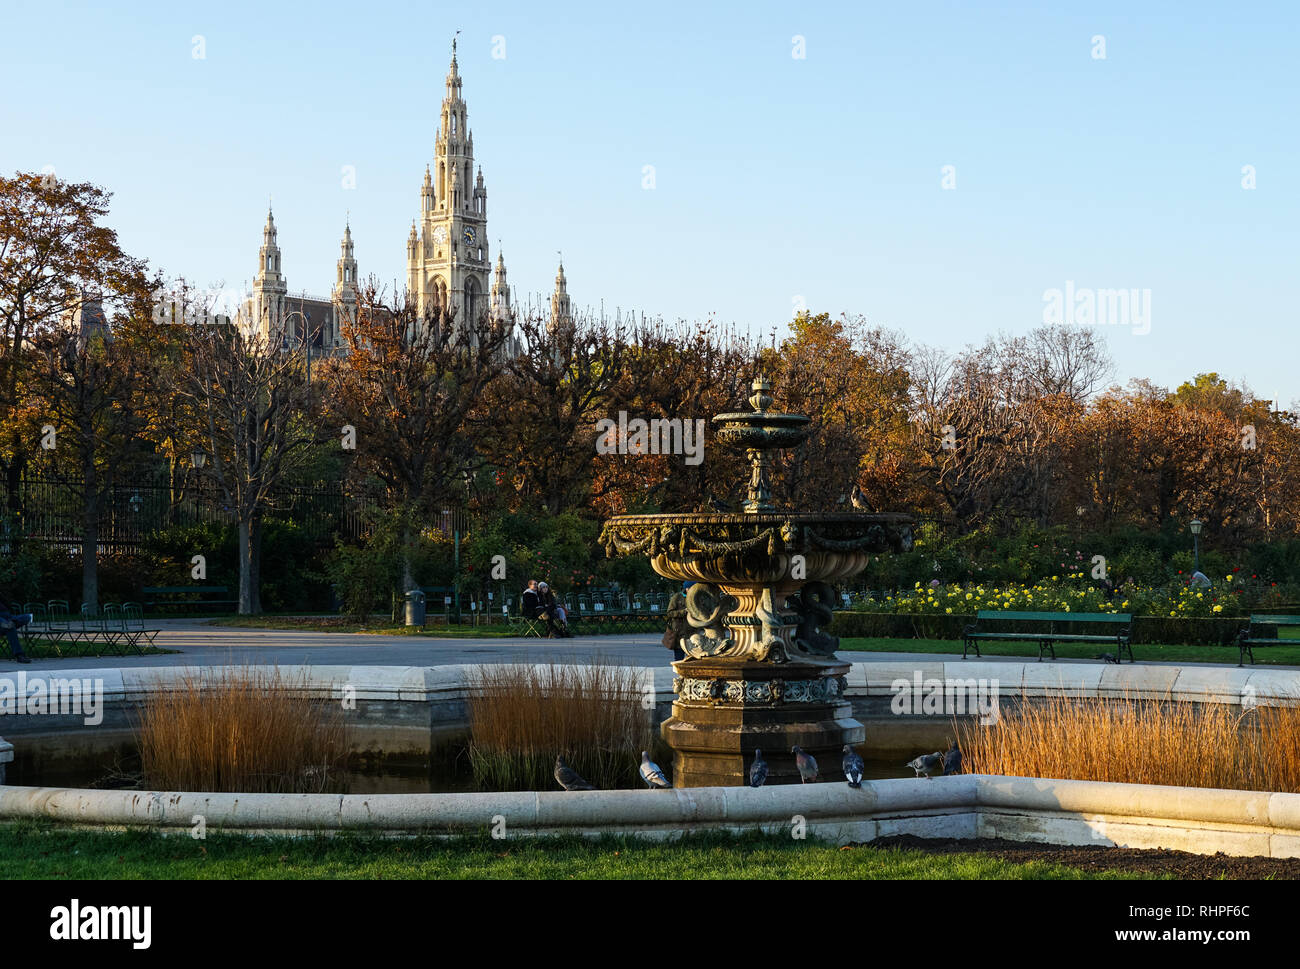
<point x="776" y="178"/>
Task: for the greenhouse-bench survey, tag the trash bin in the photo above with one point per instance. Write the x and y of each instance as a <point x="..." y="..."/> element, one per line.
<point x="415" y="608"/>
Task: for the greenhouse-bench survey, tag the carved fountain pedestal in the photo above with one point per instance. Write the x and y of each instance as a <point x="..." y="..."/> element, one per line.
<point x="761" y="671"/>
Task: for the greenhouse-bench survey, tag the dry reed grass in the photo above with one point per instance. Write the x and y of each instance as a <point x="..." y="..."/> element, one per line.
<point x="247" y="730"/>
<point x="1141" y="741"/>
<point x="522" y="716"/>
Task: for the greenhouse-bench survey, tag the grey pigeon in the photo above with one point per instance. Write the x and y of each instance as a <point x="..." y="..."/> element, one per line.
<point x="569" y="778"/>
<point x="651" y="774"/>
<point x="718" y="504"/>
<point x="757" y="770"/>
<point x="859" y="499"/>
<point x="806" y="763"/>
<point x="927" y="764"/>
<point x="1107" y="658"/>
<point x="852" y="766"/>
<point x="952" y="760"/>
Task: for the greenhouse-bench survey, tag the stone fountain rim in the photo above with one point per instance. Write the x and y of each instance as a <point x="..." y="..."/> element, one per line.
<point x="764" y="518"/>
<point x="759" y="418"/>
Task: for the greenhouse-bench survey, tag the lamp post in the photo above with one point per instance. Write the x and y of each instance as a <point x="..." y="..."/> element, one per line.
<point x="1196" y="527"/>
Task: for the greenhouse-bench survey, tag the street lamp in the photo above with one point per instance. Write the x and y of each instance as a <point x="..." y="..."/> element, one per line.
<point x="1196" y="526"/>
<point x="198" y="459"/>
<point x="136" y="503"/>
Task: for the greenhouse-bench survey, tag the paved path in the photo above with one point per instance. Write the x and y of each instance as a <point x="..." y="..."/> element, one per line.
<point x="201" y="644"/>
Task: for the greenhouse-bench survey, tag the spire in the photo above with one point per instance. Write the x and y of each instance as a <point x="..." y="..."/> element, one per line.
<point x="561" y="305"/>
<point x="500" y="303"/>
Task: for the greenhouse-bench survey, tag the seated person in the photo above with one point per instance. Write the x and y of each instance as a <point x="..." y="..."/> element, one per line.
<point x="557" y="620"/>
<point x="10" y="623"/>
<point x="530" y="603"/>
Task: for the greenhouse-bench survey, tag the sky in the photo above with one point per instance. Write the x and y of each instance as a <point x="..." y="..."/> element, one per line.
<point x="938" y="168"/>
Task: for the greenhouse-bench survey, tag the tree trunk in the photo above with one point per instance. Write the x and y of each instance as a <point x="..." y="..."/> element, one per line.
<point x="408" y="577"/>
<point x="90" y="559"/>
<point x="89" y="533"/>
<point x="255" y="563"/>
<point x="245" y="569"/>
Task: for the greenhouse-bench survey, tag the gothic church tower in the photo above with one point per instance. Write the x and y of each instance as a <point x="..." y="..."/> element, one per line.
<point x="447" y="262"/>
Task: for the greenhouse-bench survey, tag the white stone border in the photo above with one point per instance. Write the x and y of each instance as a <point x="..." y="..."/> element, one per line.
<point x="963" y="807"/>
<point x="1206" y="684"/>
<point x="968" y="806"/>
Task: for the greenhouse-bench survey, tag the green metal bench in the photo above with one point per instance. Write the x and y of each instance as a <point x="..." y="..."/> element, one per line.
<point x="1249" y="638"/>
<point x="186" y="590"/>
<point x="1046" y="633"/>
<point x="114" y="629"/>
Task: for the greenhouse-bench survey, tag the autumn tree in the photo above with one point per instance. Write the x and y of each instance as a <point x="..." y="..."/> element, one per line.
<point x="94" y="385"/>
<point x="409" y="385"/>
<point x="556" y="385"/>
<point x="56" y="256"/>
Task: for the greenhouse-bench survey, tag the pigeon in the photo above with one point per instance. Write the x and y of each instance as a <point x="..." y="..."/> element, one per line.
<point x="569" y="778"/>
<point x="952" y="760"/>
<point x="1107" y="658"/>
<point x="927" y="764"/>
<point x="651" y="774"/>
<point x="852" y="766"/>
<point x="806" y="763"/>
<point x="859" y="499"/>
<point x="757" y="770"/>
<point x="717" y="504"/>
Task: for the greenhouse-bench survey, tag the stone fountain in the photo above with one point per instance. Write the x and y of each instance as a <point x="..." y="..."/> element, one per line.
<point x="760" y="668"/>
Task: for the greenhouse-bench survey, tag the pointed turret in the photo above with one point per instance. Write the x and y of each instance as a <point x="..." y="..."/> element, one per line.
<point x="269" y="285"/>
<point x="500" y="291"/>
<point x="344" y="296"/>
<point x="561" y="306"/>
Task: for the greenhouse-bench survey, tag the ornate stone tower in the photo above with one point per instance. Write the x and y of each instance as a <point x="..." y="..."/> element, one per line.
<point x="344" y="296"/>
<point x="561" y="306"/>
<point x="269" y="285"/>
<point x="447" y="261"/>
<point x="500" y="291"/>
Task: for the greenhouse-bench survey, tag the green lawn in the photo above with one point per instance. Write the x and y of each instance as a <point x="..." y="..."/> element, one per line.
<point x="379" y="627"/>
<point x="30" y="850"/>
<point x="1288" y="655"/>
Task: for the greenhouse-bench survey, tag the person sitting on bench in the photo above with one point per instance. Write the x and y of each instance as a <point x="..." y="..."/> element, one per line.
<point x="557" y="620"/>
<point x="9" y="625"/>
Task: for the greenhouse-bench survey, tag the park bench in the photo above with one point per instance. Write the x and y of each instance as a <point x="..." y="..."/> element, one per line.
<point x="1250" y="637"/>
<point x="1112" y="629"/>
<point x="154" y="596"/>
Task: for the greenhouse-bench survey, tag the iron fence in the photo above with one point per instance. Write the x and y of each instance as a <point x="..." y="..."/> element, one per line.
<point x="51" y="511"/>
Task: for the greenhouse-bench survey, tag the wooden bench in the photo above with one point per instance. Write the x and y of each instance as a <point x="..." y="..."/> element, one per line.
<point x="1046" y="633"/>
<point x="1249" y="638"/>
<point x="186" y="590"/>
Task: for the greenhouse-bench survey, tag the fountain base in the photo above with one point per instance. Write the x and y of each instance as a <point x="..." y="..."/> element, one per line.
<point x="726" y="709"/>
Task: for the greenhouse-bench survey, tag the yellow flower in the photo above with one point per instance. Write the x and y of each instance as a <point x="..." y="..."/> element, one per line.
<point x="969" y="596"/>
<point x="948" y="610"/>
<point x="1218" y="608"/>
<point x="1227" y="578"/>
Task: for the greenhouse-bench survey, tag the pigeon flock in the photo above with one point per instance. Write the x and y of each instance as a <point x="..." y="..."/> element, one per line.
<point x="926" y="765"/>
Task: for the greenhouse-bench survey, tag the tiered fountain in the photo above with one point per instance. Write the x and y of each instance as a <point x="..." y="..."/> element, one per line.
<point x="760" y="668"/>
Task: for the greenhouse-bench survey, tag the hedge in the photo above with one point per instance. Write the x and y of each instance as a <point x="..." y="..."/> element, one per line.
<point x="1146" y="629"/>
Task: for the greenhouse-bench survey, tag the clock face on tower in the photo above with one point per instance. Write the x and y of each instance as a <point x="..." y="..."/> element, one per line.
<point x="469" y="235"/>
<point x="440" y="234"/>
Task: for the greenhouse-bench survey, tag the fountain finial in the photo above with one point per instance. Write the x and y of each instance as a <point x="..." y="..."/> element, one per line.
<point x="761" y="399"/>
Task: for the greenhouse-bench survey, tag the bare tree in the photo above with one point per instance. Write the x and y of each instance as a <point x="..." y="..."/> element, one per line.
<point x="253" y="407"/>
